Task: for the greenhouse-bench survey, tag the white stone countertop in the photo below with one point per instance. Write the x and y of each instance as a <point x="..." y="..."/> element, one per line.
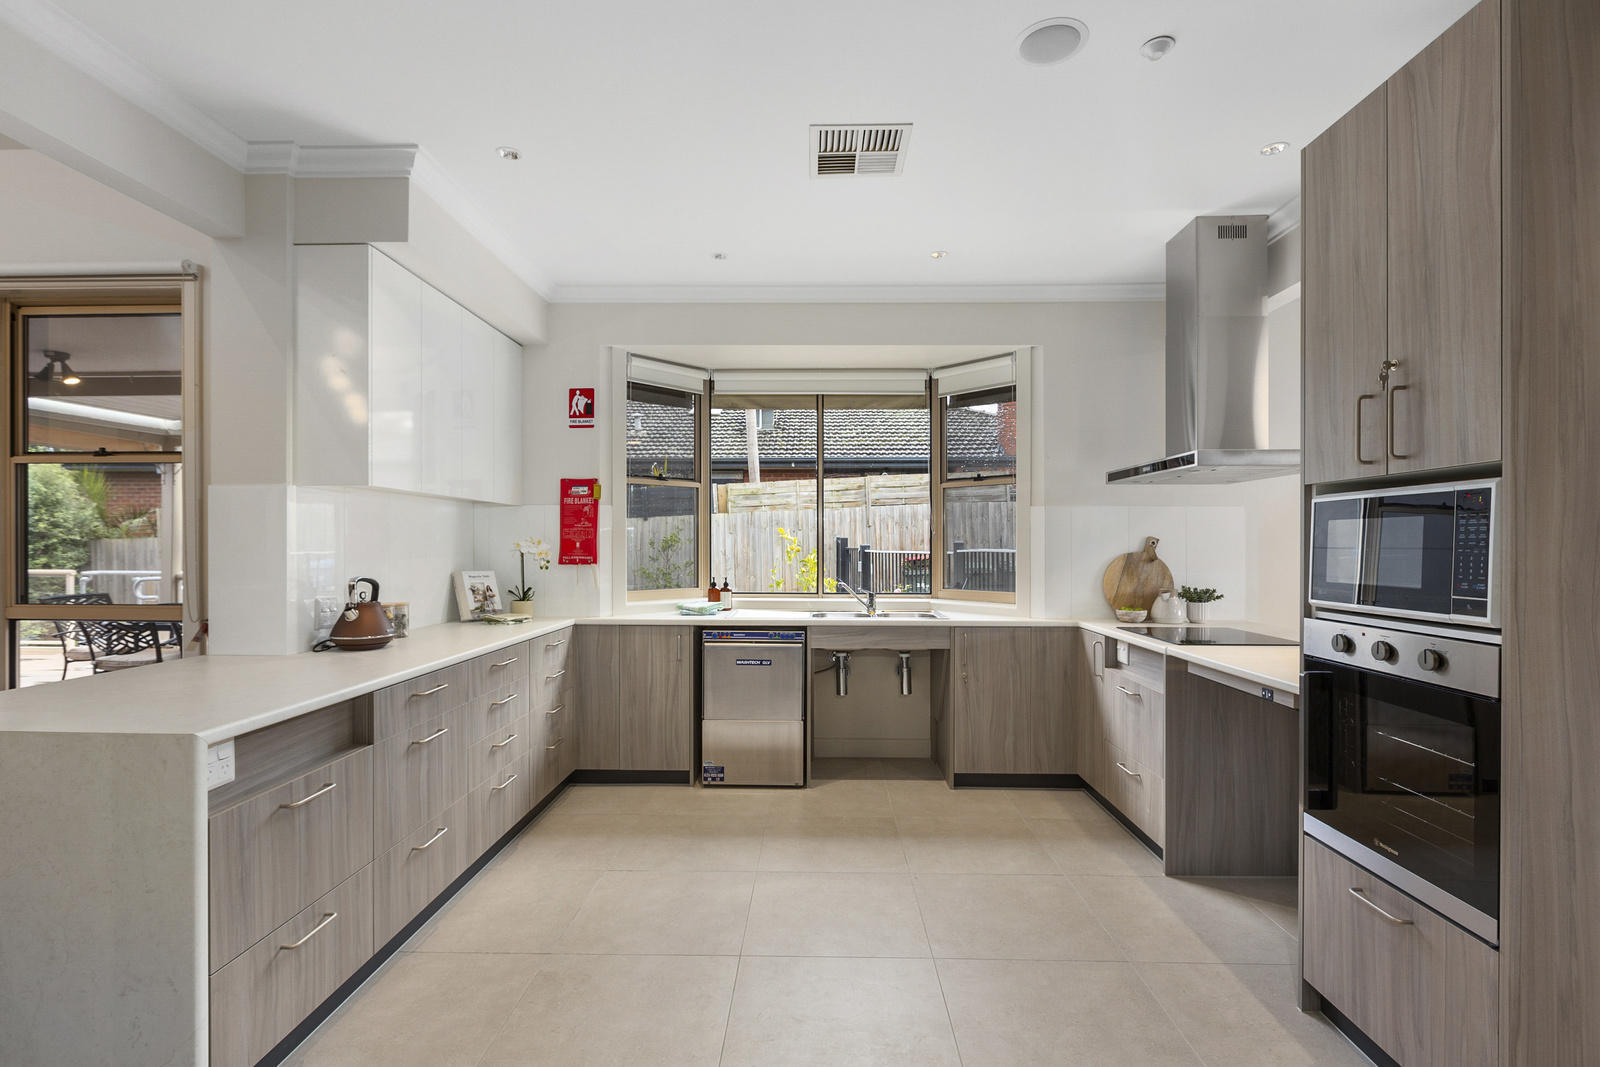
<point x="218" y="697"/>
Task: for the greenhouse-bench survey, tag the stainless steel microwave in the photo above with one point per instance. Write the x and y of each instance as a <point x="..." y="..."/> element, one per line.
<point x="1420" y="552"/>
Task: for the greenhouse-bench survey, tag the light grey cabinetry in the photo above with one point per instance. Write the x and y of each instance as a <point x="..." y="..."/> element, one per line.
<point x="1426" y="991"/>
<point x="1008" y="699"/>
<point x="1118" y="716"/>
<point x="657" y="697"/>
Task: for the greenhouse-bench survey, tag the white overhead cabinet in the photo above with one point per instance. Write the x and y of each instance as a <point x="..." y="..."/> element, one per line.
<point x="399" y="387"/>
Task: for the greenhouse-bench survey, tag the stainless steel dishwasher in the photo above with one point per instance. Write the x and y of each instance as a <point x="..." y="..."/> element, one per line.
<point x="753" y="702"/>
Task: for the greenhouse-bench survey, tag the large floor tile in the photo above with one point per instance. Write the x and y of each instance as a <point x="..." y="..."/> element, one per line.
<point x="834" y="767"/>
<point x="1094" y="843"/>
<point x="924" y="770"/>
<point x="1054" y="803"/>
<point x="577" y="841"/>
<point x="857" y="797"/>
<point x="1015" y="1013"/>
<point x="608" y="799"/>
<point x="982" y="845"/>
<point x="1244" y="1015"/>
<point x="715" y="800"/>
<point x="1278" y="899"/>
<point x="790" y="1012"/>
<point x="508" y="910"/>
<point x="1010" y="917"/>
<point x="834" y="915"/>
<point x="699" y="842"/>
<point x="832" y="843"/>
<point x="1184" y="920"/>
<point x="426" y="1009"/>
<point x="917" y="798"/>
<point x="662" y="913"/>
<point x="643" y="1011"/>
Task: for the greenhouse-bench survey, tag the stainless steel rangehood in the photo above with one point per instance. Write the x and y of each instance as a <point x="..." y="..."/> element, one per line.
<point x="1216" y="359"/>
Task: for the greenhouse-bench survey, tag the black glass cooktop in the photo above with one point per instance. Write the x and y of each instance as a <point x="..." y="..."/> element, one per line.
<point x="1204" y="635"/>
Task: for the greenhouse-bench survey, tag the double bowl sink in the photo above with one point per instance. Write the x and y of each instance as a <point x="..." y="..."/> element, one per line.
<point x="887" y="615"/>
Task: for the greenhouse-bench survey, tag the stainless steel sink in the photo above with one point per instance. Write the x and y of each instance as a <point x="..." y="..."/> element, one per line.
<point x="889" y="615"/>
<point x="840" y="615"/>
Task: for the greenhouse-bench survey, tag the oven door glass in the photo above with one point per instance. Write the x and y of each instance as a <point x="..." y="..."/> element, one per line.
<point x="1335" y="550"/>
<point x="1412" y="771"/>
<point x="1410" y="538"/>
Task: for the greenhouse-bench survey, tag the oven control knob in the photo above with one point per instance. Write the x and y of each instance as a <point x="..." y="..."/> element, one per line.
<point x="1382" y="650"/>
<point x="1431" y="659"/>
<point x="1343" y="643"/>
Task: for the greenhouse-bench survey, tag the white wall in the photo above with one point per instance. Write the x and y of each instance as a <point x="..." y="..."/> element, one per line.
<point x="1097" y="404"/>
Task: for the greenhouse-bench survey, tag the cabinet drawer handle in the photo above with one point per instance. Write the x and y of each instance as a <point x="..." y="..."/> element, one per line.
<point x="430" y="692"/>
<point x="1361" y="895"/>
<point x="442" y="831"/>
<point x="1363" y="398"/>
<point x="555" y="709"/>
<point x="502" y="785"/>
<point x="553" y="644"/>
<point x="1124" y="769"/>
<point x="433" y="736"/>
<point x="1392" y="391"/>
<point x="553" y="677"/>
<point x="1130" y="692"/>
<point x="315" y="930"/>
<point x="504" y="743"/>
<point x="507" y="700"/>
<point x="302" y="803"/>
<point x="506" y="662"/>
<point x="558" y="741"/>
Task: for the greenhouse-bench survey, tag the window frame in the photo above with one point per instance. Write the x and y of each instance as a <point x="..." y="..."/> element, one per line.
<point x="700" y="483"/>
<point x="942" y="482"/>
<point x="159" y="294"/>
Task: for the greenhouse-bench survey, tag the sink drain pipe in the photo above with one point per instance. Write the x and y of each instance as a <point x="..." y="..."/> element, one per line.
<point x="904" y="671"/>
<point x="841" y="681"/>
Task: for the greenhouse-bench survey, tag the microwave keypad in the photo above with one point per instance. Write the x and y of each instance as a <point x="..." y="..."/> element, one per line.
<point x="1472" y="545"/>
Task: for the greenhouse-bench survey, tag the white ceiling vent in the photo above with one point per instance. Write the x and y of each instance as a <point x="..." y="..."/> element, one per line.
<point x="841" y="151"/>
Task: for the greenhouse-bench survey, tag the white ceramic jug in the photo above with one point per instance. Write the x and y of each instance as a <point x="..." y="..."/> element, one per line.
<point x="1168" y="608"/>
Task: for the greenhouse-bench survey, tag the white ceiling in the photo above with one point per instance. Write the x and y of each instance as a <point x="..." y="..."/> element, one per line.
<point x="654" y="134"/>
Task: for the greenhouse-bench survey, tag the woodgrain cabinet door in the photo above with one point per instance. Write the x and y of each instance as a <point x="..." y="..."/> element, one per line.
<point x="596" y="705"/>
<point x="992" y="703"/>
<point x="1088" y="695"/>
<point x="1344" y="302"/>
<point x="1048" y="734"/>
<point x="1444" y="250"/>
<point x="657" y="691"/>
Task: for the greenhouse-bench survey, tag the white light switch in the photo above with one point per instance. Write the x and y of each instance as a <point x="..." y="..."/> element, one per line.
<point x="219" y="764"/>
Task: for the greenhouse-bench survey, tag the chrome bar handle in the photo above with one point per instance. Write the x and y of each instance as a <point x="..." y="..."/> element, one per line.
<point x="1130" y="692"/>
<point x="1361" y="895"/>
<point x="1363" y="398"/>
<point x="553" y="677"/>
<point x="558" y="741"/>
<point x="302" y="803"/>
<point x="552" y="711"/>
<point x="433" y="736"/>
<point x="430" y="692"/>
<point x="507" y="700"/>
<point x="442" y="831"/>
<point x="506" y="662"/>
<point x="502" y="785"/>
<point x="1392" y="391"/>
<point x="315" y="930"/>
<point x="553" y="644"/>
<point x="504" y="743"/>
<point x="1124" y="769"/>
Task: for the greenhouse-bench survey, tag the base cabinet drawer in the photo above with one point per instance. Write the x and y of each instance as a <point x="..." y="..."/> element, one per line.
<point x="497" y="752"/>
<point x="498" y="803"/>
<point x="495" y="710"/>
<point x="414" y="702"/>
<point x="507" y="668"/>
<point x="1421" y="987"/>
<point x="408" y="876"/>
<point x="419" y="772"/>
<point x="1136" y="791"/>
<point x="265" y="993"/>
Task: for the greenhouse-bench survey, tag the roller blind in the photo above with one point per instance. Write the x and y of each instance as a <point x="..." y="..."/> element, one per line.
<point x="976" y="374"/>
<point x="668" y="375"/>
<point x="791" y="382"/>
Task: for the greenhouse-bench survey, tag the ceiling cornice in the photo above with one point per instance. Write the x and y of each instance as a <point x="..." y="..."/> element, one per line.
<point x="856" y="294"/>
<point x="454" y="201"/>
<point x="1283" y="220"/>
<point x="54" y="29"/>
<point x="331" y="161"/>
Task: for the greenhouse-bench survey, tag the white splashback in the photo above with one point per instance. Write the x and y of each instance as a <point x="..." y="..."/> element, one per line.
<point x="559" y="591"/>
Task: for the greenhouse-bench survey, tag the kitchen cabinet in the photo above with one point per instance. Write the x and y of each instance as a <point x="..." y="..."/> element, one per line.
<point x="399" y="387"/>
<point x="656" y="697"/>
<point x="1008" y="700"/>
<point x="1088" y="689"/>
<point x="1423" y="989"/>
<point x="1119" y="722"/>
<point x="596" y="710"/>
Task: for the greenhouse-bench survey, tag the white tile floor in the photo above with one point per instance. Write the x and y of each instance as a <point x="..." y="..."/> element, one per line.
<point x="877" y="918"/>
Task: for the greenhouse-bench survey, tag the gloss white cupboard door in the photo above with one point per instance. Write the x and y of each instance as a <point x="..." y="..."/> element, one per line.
<point x="507" y="487"/>
<point x="395" y="388"/>
<point x="332" y="320"/>
<point x="439" y="430"/>
<point x="478" y="342"/>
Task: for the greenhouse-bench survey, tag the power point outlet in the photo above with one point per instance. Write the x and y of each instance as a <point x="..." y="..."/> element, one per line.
<point x="327" y="611"/>
<point x="219" y="764"/>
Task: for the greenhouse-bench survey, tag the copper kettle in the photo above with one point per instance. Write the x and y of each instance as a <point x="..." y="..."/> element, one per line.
<point x="363" y="624"/>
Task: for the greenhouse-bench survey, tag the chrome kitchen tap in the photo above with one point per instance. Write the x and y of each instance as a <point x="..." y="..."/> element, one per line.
<point x="871" y="603"/>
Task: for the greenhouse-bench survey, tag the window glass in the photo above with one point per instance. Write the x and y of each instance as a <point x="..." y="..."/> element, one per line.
<point x="877" y="512"/>
<point x="663" y="532"/>
<point x="764" y="485"/>
<point x="112" y="382"/>
<point x="53" y="650"/>
<point x="109" y="531"/>
<point x="980" y="433"/>
<point x="661" y="437"/>
<point x="980" y="538"/>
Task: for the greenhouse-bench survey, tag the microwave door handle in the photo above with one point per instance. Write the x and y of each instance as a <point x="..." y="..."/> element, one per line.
<point x="1316" y="697"/>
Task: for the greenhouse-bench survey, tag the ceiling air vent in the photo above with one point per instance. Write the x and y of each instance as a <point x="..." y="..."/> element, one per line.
<point x="840" y="151"/>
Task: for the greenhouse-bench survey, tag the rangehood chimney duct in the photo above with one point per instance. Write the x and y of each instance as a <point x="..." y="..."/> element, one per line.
<point x="1216" y="359"/>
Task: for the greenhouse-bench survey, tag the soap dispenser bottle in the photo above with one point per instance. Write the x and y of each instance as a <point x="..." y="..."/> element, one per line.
<point x="727" y="596"/>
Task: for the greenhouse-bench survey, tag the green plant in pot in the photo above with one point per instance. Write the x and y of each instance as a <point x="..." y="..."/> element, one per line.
<point x="1199" y="601"/>
<point x="522" y="595"/>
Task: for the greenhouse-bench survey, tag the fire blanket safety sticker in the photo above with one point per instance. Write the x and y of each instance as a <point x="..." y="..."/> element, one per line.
<point x="580" y="521"/>
<point x="580" y="409"/>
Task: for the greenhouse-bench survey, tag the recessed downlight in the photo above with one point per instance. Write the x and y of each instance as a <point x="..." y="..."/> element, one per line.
<point x="1156" y="47"/>
<point x="1052" y="41"/>
<point x="507" y="152"/>
<point x="1275" y="148"/>
<point x="719" y="255"/>
<point x="937" y="255"/>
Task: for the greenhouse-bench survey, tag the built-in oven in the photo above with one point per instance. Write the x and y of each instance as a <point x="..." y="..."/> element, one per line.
<point x="1402" y="757"/>
<point x="1423" y="552"/>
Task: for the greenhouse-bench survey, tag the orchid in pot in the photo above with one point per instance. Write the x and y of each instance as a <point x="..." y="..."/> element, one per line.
<point x="522" y="595"/>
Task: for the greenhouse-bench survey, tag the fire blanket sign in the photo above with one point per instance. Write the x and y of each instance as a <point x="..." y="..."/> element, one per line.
<point x="580" y="409"/>
<point x="580" y="521"/>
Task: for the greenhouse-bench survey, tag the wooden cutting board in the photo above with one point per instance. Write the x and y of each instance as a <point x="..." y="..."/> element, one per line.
<point x="1135" y="579"/>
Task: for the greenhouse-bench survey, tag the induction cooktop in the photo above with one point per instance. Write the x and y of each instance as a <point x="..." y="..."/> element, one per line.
<point x="1204" y="635"/>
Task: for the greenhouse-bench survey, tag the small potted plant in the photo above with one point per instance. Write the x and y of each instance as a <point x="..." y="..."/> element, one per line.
<point x="1199" y="601"/>
<point x="522" y="595"/>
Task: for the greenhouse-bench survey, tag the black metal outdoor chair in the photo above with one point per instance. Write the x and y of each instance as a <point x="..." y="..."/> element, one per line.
<point x="115" y="645"/>
<point x="67" y="630"/>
